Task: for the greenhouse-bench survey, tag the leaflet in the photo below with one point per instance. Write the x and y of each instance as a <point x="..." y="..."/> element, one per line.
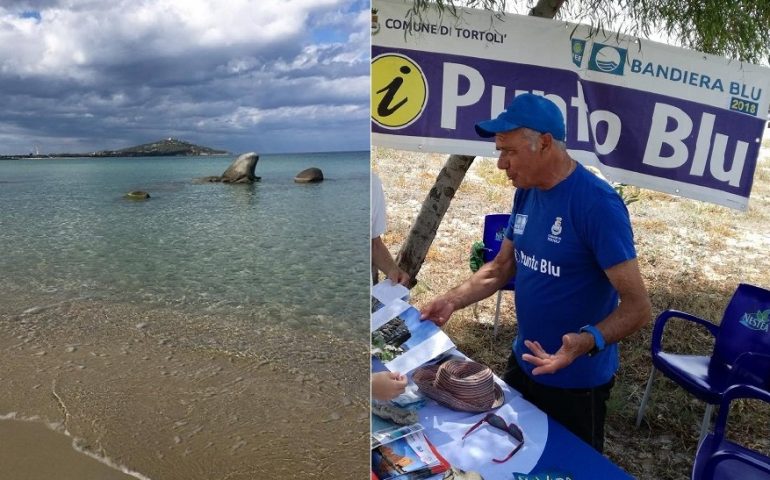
<point x="401" y="340"/>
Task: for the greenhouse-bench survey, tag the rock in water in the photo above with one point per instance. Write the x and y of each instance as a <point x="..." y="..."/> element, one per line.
<point x="137" y="195"/>
<point x="309" y="175"/>
<point x="240" y="171"/>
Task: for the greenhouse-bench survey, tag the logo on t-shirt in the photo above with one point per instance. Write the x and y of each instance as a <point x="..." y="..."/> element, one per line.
<point x="555" y="231"/>
<point x="519" y="224"/>
<point x="537" y="264"/>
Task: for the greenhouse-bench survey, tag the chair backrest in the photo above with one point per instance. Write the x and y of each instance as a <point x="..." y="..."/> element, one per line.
<point x="720" y="459"/>
<point x="494" y="233"/>
<point x="745" y="328"/>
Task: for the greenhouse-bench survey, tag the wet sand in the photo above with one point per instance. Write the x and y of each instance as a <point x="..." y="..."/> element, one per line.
<point x="31" y="451"/>
<point x="175" y="396"/>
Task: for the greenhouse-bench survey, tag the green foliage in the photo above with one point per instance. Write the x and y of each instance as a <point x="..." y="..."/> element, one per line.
<point x="476" y="259"/>
<point x="382" y="350"/>
<point x="737" y="29"/>
<point x="414" y="14"/>
<point x="628" y="193"/>
<point x="420" y="6"/>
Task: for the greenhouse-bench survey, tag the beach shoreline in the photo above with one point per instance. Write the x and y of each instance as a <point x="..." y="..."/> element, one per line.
<point x="21" y="457"/>
<point x="177" y="396"/>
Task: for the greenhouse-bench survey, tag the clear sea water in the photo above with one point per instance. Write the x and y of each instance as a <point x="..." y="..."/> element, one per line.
<point x="274" y="251"/>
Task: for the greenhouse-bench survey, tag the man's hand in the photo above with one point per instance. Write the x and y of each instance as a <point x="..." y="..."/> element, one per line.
<point x="398" y="276"/>
<point x="387" y="385"/>
<point x="573" y="345"/>
<point x="438" y="311"/>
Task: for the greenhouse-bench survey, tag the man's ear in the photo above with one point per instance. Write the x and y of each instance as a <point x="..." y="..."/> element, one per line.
<point x="546" y="140"/>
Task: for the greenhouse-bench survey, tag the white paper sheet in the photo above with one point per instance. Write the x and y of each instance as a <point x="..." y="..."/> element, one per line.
<point x="387" y="291"/>
<point x="388" y="313"/>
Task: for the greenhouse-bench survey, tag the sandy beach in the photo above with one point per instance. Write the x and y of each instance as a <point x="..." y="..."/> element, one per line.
<point x="162" y="394"/>
<point x="21" y="459"/>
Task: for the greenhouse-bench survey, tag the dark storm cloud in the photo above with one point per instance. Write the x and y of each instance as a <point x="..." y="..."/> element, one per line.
<point x="26" y="5"/>
<point x="102" y="75"/>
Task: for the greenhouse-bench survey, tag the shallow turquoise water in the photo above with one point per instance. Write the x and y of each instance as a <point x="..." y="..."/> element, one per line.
<point x="274" y="251"/>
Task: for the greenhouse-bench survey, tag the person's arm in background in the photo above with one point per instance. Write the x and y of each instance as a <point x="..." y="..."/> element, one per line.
<point x="384" y="262"/>
<point x="387" y="385"/>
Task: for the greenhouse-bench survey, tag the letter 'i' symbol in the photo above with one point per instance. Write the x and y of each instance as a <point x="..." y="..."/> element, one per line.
<point x="399" y="91"/>
<point x="384" y="109"/>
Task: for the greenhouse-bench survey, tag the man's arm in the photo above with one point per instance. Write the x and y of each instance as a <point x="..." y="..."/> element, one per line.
<point x="486" y="281"/>
<point x="633" y="312"/>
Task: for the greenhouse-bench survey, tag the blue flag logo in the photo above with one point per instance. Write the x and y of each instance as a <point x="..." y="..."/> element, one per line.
<point x="607" y="59"/>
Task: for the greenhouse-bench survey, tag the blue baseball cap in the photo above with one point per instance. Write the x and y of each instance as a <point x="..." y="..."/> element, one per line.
<point x="526" y="110"/>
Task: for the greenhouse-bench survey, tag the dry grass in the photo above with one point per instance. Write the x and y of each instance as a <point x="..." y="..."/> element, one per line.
<point x="692" y="256"/>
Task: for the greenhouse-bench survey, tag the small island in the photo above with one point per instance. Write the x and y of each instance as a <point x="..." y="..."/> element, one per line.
<point x="168" y="147"/>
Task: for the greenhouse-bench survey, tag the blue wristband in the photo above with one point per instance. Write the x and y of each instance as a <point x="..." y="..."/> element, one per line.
<point x="598" y="338"/>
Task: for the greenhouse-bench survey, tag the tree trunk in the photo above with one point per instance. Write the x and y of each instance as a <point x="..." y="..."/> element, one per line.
<point x="546" y="8"/>
<point x="412" y="254"/>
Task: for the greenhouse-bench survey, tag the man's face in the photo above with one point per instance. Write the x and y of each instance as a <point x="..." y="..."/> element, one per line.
<point x="520" y="162"/>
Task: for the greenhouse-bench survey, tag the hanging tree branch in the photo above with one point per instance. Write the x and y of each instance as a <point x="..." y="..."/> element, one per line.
<point x="737" y="29"/>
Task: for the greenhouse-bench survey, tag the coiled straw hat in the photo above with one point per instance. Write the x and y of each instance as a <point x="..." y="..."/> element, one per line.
<point x="461" y="385"/>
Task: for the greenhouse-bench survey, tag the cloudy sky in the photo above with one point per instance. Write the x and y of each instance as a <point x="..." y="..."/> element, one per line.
<point x="242" y="75"/>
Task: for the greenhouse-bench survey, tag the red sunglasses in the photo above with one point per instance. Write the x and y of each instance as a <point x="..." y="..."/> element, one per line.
<point x="499" y="423"/>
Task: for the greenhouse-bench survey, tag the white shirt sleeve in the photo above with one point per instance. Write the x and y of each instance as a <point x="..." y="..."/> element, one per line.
<point x="378" y="220"/>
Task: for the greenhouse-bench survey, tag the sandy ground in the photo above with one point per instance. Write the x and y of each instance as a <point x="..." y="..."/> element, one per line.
<point x="20" y="455"/>
<point x="174" y="396"/>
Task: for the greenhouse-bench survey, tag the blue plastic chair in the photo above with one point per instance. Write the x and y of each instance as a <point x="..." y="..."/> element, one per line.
<point x="720" y="459"/>
<point x="494" y="233"/>
<point x="740" y="356"/>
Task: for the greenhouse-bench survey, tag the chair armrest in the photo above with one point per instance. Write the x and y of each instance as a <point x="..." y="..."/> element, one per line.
<point x="742" y="371"/>
<point x="665" y="316"/>
<point x="733" y="393"/>
<point x="715" y="458"/>
<point x="744" y="391"/>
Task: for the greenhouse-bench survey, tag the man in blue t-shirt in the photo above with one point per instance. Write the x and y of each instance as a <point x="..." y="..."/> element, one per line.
<point x="570" y="245"/>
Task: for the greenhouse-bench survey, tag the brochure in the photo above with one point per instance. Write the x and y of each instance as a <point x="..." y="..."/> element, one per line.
<point x="408" y="458"/>
<point x="402" y="341"/>
<point x="391" y="433"/>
